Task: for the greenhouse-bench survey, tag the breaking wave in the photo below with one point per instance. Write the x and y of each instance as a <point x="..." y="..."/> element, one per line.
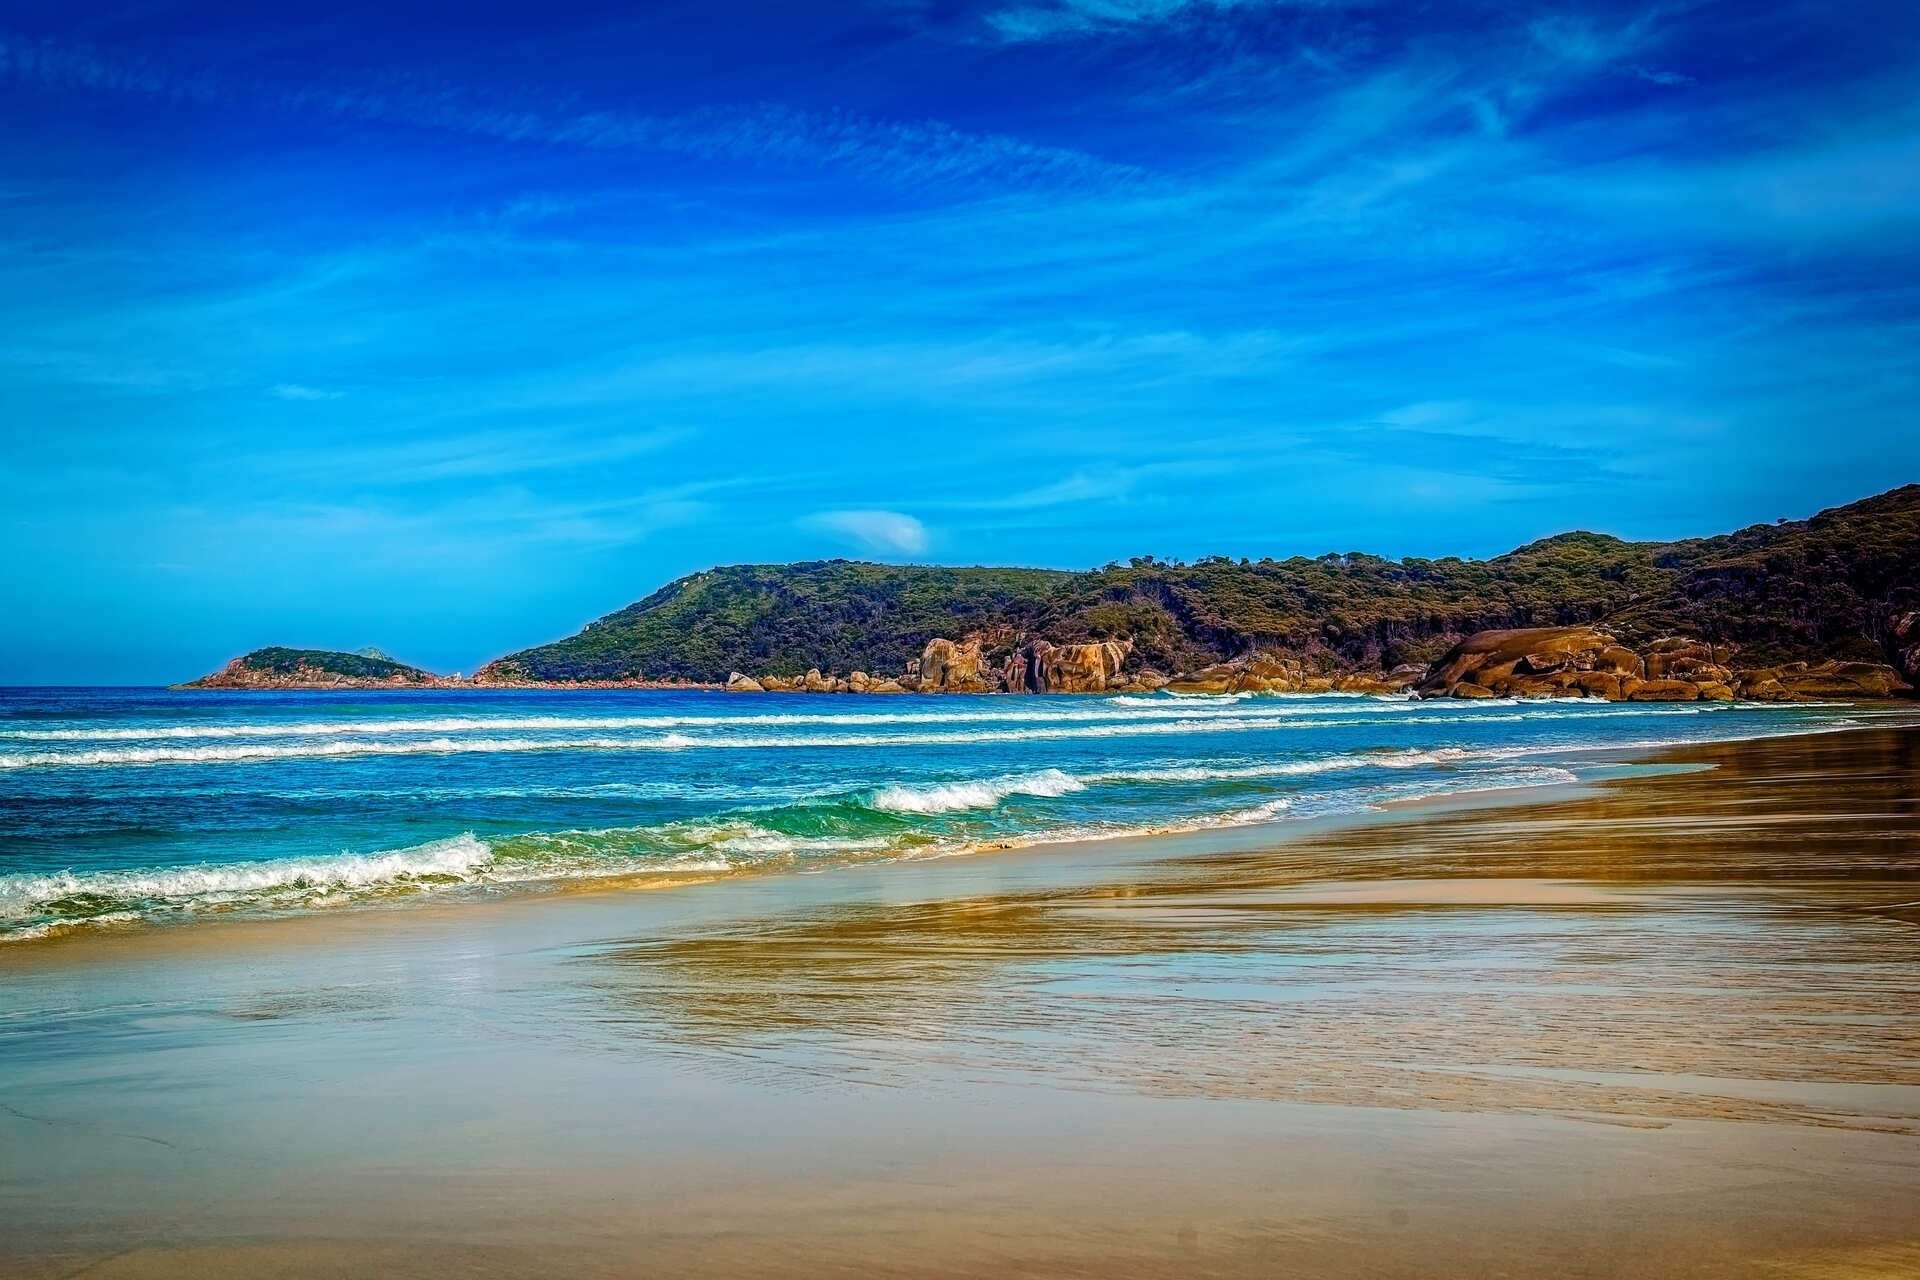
<point x="258" y="818"/>
<point x="952" y="797"/>
<point x="1095" y="710"/>
<point x="1057" y="729"/>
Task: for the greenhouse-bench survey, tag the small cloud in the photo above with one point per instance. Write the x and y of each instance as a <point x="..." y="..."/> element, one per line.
<point x="1660" y="76"/>
<point x="296" y="391"/>
<point x="1583" y="42"/>
<point x="1024" y="23"/>
<point x="884" y="532"/>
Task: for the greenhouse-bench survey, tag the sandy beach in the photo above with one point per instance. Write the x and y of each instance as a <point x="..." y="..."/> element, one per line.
<point x="1663" y="1025"/>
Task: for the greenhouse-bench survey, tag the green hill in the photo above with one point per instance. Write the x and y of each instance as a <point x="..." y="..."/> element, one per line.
<point x="1829" y="587"/>
<point x="280" y="667"/>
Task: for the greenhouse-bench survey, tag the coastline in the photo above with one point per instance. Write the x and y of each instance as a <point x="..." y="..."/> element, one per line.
<point x="1092" y="855"/>
<point x="1654" y="1024"/>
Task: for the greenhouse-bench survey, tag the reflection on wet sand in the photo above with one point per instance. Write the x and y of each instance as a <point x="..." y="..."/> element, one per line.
<point x="1665" y="1026"/>
<point x="1731" y="943"/>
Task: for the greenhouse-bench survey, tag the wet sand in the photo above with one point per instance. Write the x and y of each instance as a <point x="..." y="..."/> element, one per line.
<point x="1665" y="1025"/>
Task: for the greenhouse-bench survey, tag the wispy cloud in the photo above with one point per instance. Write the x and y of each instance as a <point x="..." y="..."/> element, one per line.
<point x="1073" y="19"/>
<point x="300" y="391"/>
<point x="466" y="456"/>
<point x="896" y="151"/>
<point x="882" y="532"/>
<point x="1587" y="40"/>
<point x="1101" y="484"/>
<point x="501" y="522"/>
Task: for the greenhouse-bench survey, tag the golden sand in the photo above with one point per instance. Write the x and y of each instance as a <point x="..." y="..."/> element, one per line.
<point x="1667" y="1025"/>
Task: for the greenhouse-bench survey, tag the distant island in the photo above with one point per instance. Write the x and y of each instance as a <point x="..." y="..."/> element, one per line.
<point x="1824" y="607"/>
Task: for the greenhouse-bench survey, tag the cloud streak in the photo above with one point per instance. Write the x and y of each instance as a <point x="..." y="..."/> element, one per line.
<point x="888" y="533"/>
<point x="922" y="152"/>
<point x="1079" y="19"/>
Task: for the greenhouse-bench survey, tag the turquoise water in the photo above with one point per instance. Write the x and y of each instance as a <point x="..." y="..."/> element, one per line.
<point x="122" y="806"/>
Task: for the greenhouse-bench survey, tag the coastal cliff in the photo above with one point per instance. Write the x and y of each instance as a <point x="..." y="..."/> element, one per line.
<point x="1792" y="599"/>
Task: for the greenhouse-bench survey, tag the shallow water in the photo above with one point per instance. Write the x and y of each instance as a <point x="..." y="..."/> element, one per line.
<point x="123" y="806"/>
<point x="1664" y="1025"/>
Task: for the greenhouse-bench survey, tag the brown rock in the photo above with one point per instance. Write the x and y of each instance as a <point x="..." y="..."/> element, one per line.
<point x="1604" y="684"/>
<point x="1665" y="691"/>
<point x="1843" y="681"/>
<point x="1552" y="662"/>
<point x="1620" y="660"/>
<point x="1560" y="684"/>
<point x="1466" y="689"/>
<point x="737" y="683"/>
<point x="1041" y="667"/>
<point x="1489" y="657"/>
<point x="1698" y="671"/>
<point x="1214" y="679"/>
<point x="1256" y="672"/>
<point x="1398" y="680"/>
<point x="1681" y="658"/>
<point x="1905" y="634"/>
<point x="946" y="667"/>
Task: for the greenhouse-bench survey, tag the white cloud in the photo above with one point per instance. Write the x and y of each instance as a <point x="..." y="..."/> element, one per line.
<point x="895" y="150"/>
<point x="299" y="391"/>
<point x="1071" y="19"/>
<point x="883" y="532"/>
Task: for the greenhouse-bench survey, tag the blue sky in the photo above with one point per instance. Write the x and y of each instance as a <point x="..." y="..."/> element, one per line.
<point x="449" y="327"/>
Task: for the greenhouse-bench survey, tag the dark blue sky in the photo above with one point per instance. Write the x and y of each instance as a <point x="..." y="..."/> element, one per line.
<point x="448" y="327"/>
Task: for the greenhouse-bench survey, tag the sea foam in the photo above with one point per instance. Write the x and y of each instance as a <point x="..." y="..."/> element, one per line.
<point x="984" y="793"/>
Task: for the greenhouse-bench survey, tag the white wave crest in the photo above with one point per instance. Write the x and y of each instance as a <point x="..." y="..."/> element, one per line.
<point x="953" y="797"/>
<point x="347" y="747"/>
<point x="1402" y="759"/>
<point x="1093" y="710"/>
<point x="458" y="857"/>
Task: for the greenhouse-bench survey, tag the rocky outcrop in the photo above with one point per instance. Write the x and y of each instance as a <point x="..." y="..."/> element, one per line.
<point x="1576" y="662"/>
<point x="1838" y="681"/>
<point x="1264" y="672"/>
<point x="1903" y="644"/>
<point x="737" y="683"/>
<point x="1527" y="662"/>
<point x="1043" y="667"/>
<point x="947" y="667"/>
<point x="1256" y="672"/>
<point x="1398" y="680"/>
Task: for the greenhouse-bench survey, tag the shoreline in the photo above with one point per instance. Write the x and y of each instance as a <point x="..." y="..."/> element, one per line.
<point x="1660" y="1023"/>
<point x="1119" y="849"/>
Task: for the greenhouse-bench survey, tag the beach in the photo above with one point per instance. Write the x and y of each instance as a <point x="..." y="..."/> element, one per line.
<point x="1663" y="1021"/>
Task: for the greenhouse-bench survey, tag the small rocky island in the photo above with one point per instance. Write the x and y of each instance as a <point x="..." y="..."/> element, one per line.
<point x="278" y="667"/>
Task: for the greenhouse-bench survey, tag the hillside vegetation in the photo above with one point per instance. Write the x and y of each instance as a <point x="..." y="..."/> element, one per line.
<point x="279" y="667"/>
<point x="1832" y="586"/>
<point x="279" y="660"/>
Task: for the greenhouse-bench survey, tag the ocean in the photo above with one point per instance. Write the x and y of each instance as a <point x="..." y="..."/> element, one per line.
<point x="124" y="807"/>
